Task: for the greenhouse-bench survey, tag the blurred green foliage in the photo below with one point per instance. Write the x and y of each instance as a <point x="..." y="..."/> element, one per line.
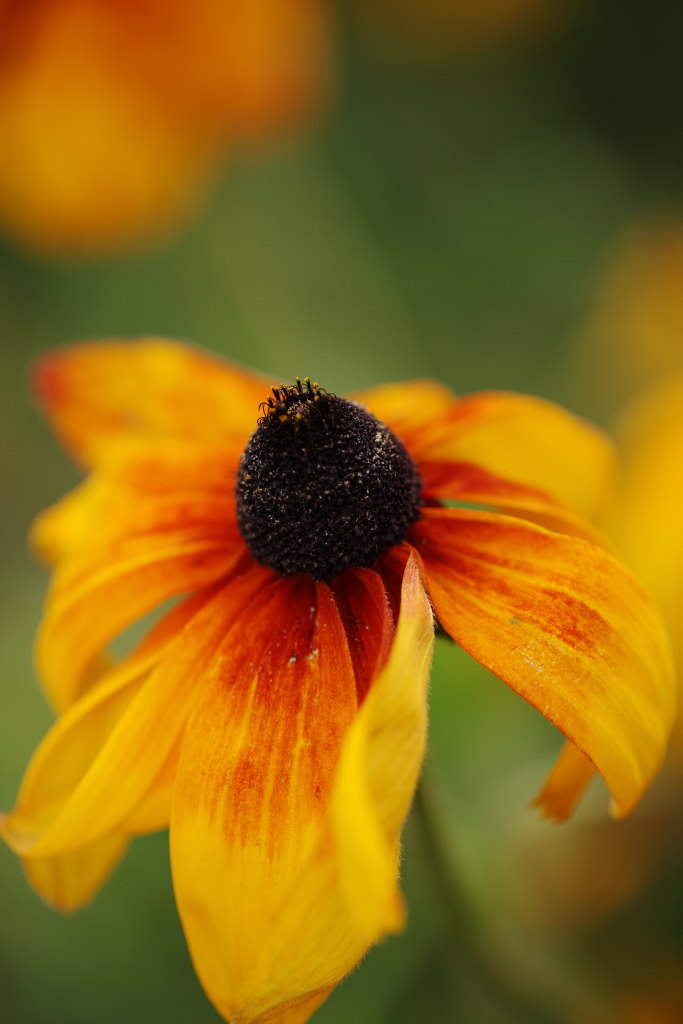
<point x="449" y="221"/>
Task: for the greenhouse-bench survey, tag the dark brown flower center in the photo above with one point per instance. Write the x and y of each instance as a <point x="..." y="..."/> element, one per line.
<point x="323" y="485"/>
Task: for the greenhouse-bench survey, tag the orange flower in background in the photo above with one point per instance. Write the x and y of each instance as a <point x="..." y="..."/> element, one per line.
<point x="114" y="114"/>
<point x="274" y="717"/>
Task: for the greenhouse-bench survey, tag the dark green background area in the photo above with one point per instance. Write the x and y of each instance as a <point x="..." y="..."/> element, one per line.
<point x="450" y="221"/>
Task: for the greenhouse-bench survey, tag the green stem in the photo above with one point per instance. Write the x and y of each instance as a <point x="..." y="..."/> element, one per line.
<point x="529" y="995"/>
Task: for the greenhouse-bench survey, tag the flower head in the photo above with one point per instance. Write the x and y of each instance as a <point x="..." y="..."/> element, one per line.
<point x="275" y="716"/>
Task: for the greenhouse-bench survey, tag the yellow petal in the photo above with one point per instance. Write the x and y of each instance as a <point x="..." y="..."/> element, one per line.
<point x="254" y="779"/>
<point x="565" y="784"/>
<point x="99" y="765"/>
<point x="99" y="392"/>
<point x="563" y="624"/>
<point x="69" y="881"/>
<point x="143" y="487"/>
<point x="96" y="595"/>
<point x="275" y="919"/>
<point x="529" y="441"/>
<point x="378" y="772"/>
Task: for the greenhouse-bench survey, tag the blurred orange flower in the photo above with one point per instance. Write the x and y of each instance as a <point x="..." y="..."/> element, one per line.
<point x="114" y="114"/>
<point x="275" y="717"/>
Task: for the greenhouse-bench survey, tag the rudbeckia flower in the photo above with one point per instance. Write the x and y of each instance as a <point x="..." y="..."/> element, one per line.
<point x="114" y="115"/>
<point x="274" y="715"/>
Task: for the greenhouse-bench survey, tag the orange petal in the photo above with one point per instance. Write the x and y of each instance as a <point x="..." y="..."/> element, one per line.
<point x="564" y="625"/>
<point x="527" y="440"/>
<point x="302" y="873"/>
<point x="565" y="784"/>
<point x="144" y="487"/>
<point x="99" y="392"/>
<point x="254" y="779"/>
<point x="408" y="408"/>
<point x="105" y="755"/>
<point x="68" y="882"/>
<point x="95" y="596"/>
<point x="472" y="485"/>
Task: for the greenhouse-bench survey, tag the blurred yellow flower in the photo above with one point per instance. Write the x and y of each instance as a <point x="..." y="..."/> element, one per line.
<point x="645" y="520"/>
<point x="114" y="114"/>
<point x="275" y="717"/>
<point x="635" y="329"/>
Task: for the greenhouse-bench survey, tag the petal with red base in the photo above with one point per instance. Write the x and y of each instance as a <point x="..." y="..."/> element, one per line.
<point x="468" y="484"/>
<point x="564" y="625"/>
<point x="288" y="802"/>
<point x="97" y="393"/>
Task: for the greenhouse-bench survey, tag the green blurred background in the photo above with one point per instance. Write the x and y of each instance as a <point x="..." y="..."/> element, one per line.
<point x="447" y="217"/>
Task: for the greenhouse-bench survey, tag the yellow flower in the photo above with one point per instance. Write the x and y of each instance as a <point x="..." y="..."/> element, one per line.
<point x="274" y="717"/>
<point x="634" y="331"/>
<point x="114" y="114"/>
<point x="645" y="520"/>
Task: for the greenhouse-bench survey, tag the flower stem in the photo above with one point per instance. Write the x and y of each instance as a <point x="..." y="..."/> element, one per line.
<point x="528" y="992"/>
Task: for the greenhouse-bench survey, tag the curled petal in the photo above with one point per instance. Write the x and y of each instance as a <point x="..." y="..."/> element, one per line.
<point x="97" y="393"/>
<point x="565" y="784"/>
<point x="527" y="440"/>
<point x="564" y="625"/>
<point x="379" y="768"/>
<point x="281" y="894"/>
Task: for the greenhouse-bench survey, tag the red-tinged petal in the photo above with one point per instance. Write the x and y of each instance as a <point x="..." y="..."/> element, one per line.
<point x="274" y="948"/>
<point x="408" y="408"/>
<point x="142" y="488"/>
<point x="127" y="750"/>
<point x="563" y="624"/>
<point x="68" y="882"/>
<point x="472" y="485"/>
<point x="362" y="601"/>
<point x="94" y="597"/>
<point x="527" y="440"/>
<point x="565" y="785"/>
<point x="97" y="393"/>
<point x="254" y="781"/>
